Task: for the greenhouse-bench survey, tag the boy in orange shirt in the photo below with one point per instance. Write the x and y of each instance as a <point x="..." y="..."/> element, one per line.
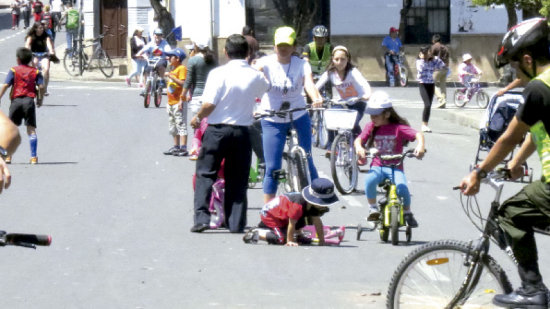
<point x="177" y="113"/>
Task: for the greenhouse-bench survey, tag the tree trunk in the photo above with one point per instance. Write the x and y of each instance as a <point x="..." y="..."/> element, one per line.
<point x="301" y="18"/>
<point x="165" y="21"/>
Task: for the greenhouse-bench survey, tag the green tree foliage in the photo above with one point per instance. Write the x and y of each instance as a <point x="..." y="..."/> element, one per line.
<point x="529" y="8"/>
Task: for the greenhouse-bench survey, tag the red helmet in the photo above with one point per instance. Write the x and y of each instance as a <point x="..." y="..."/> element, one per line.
<point x="393" y="29"/>
<point x="521" y="36"/>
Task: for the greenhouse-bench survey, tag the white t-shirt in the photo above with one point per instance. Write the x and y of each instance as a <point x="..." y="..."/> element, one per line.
<point x="354" y="85"/>
<point x="233" y="88"/>
<point x="57" y="6"/>
<point x="289" y="77"/>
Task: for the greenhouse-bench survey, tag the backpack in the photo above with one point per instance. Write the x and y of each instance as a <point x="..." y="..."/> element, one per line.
<point x="72" y="19"/>
<point x="48" y="18"/>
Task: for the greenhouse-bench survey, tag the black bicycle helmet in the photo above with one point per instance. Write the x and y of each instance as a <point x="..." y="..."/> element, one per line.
<point x="320" y="31"/>
<point x="521" y="36"/>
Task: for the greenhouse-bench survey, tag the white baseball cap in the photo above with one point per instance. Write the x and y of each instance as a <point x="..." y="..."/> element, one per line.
<point x="378" y="102"/>
<point x="466" y="57"/>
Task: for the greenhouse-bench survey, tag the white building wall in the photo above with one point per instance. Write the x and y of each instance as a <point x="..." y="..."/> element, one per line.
<point x="375" y="17"/>
<point x="193" y="16"/>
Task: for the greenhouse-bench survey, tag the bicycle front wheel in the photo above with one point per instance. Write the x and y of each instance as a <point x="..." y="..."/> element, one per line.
<point x="459" y="98"/>
<point x="315" y="119"/>
<point x="343" y="164"/>
<point x="403" y="79"/>
<point x="394" y="228"/>
<point x="158" y="95"/>
<point x="298" y="175"/>
<point x="105" y="64"/>
<point x="482" y="99"/>
<point x="431" y="275"/>
<point x="147" y="94"/>
<point x="71" y="62"/>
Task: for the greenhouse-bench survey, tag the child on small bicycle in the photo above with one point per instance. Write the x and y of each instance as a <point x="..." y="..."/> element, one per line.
<point x="284" y="217"/>
<point x="387" y="132"/>
<point x="467" y="71"/>
<point x="177" y="113"/>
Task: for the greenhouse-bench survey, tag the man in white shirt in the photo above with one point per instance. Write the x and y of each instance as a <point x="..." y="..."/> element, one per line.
<point x="228" y="102"/>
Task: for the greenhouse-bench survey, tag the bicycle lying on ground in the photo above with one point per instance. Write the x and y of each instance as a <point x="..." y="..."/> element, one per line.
<point x="453" y="273"/>
<point x="153" y="87"/>
<point x="464" y="95"/>
<point x="392" y="218"/>
<point x="24" y="240"/>
<point x="294" y="176"/>
<point x="343" y="160"/>
<point x="77" y="61"/>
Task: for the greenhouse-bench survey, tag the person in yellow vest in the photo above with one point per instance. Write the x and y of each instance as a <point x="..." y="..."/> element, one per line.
<point x="525" y="47"/>
<point x="319" y="51"/>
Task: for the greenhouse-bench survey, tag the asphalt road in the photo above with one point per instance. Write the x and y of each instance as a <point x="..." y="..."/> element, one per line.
<point x="120" y="211"/>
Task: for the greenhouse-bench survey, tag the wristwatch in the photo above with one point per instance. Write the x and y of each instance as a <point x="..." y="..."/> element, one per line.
<point x="3" y="152"/>
<point x="480" y="173"/>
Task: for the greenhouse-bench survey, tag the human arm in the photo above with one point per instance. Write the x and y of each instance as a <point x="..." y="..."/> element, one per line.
<point x="9" y="140"/>
<point x="526" y="150"/>
<point x="291" y="230"/>
<point x="28" y="42"/>
<point x="50" y="45"/>
<point x="318" y="223"/>
<point x="504" y="145"/>
<point x="359" y="149"/>
<point x="309" y="86"/>
<point x="322" y="81"/>
<point x="362" y="84"/>
<point x="190" y="80"/>
<point x="518" y="82"/>
<point x="420" y="149"/>
<point x="206" y="109"/>
<point x="3" y="91"/>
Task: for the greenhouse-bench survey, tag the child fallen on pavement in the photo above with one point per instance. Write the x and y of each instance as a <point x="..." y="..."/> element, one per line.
<point x="284" y="217"/>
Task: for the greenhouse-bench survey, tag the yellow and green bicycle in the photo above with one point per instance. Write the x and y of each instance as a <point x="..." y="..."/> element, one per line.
<point x="392" y="220"/>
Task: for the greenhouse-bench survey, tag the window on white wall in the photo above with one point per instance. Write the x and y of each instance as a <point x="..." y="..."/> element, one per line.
<point x="426" y="18"/>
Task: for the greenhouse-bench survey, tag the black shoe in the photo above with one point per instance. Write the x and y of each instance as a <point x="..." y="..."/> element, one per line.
<point x="411" y="221"/>
<point x="181" y="153"/>
<point x="251" y="237"/>
<point x="521" y="298"/>
<point x="200" y="227"/>
<point x="172" y="151"/>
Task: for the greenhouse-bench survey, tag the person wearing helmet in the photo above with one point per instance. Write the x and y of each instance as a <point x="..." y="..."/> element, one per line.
<point x="158" y="43"/>
<point x="525" y="47"/>
<point x="318" y="51"/>
<point x="466" y="72"/>
<point x="387" y="132"/>
<point x="392" y="46"/>
<point x="285" y="216"/>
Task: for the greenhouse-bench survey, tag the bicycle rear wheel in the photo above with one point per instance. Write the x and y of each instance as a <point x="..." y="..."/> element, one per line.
<point x="343" y="164"/>
<point x="158" y="95"/>
<point x="105" y="64"/>
<point x="403" y="79"/>
<point x="459" y="98"/>
<point x="482" y="99"/>
<point x="71" y="63"/>
<point x="431" y="275"/>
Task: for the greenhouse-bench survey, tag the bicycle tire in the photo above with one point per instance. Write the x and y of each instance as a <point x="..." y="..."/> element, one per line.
<point x="343" y="165"/>
<point x="298" y="174"/>
<point x="438" y="268"/>
<point x="323" y="134"/>
<point x="147" y="94"/>
<point x="459" y="98"/>
<point x="403" y="79"/>
<point x="105" y="64"/>
<point x="70" y="63"/>
<point x="482" y="99"/>
<point x="315" y="134"/>
<point x="158" y="95"/>
<point x="394" y="225"/>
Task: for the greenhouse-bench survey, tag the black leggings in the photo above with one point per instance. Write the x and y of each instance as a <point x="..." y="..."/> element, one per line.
<point x="427" y="94"/>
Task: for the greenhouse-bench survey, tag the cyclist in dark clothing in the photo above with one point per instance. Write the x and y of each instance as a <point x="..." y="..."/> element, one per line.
<point x="41" y="45"/>
<point x="525" y="47"/>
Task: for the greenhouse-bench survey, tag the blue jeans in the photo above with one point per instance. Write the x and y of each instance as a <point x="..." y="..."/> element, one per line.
<point x="70" y="35"/>
<point x="139" y="65"/>
<point x="274" y="137"/>
<point x="390" y="63"/>
<point x="377" y="174"/>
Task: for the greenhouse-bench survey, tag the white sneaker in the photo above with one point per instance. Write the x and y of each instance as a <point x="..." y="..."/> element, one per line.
<point x="425" y="128"/>
<point x="374" y="214"/>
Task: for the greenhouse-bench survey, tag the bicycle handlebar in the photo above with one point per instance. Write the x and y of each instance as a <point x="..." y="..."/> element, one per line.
<point x="280" y="113"/>
<point x="24" y="240"/>
<point x="409" y="153"/>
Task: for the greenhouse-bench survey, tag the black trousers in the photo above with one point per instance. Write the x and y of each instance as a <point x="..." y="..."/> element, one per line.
<point x="427" y="94"/>
<point x="231" y="143"/>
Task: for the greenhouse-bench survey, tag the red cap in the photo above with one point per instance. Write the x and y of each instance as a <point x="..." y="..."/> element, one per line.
<point x="393" y="29"/>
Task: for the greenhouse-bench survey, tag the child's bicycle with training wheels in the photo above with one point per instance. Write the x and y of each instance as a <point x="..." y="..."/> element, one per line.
<point x="294" y="176"/>
<point x="24" y="240"/>
<point x="392" y="220"/>
<point x="465" y="94"/>
<point x="453" y="273"/>
<point x="153" y="87"/>
<point x="343" y="160"/>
